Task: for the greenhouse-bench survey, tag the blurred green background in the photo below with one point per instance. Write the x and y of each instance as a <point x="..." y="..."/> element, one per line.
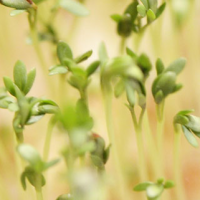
<point x="175" y="34"/>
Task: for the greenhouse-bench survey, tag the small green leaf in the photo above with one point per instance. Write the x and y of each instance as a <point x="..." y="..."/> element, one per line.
<point x="185" y="112"/>
<point x="131" y="97"/>
<point x="181" y="119"/>
<point x="64" y="51"/>
<point x="151" y="15"/>
<point x="50" y="164"/>
<point x="131" y="53"/>
<point x="20" y="75"/>
<point x="83" y="57"/>
<point x="103" y="55"/>
<point x="142" y="186"/>
<point x="9" y="85"/>
<point x="34" y="119"/>
<point x="28" y="153"/>
<point x="18" y="4"/>
<point x="169" y="184"/>
<point x="119" y="88"/>
<point x="177" y="87"/>
<point x="145" y="3"/>
<point x="30" y="80"/>
<point x="58" y="69"/>
<point x="159" y="97"/>
<point x="97" y="161"/>
<point x="159" y="66"/>
<point x="144" y="63"/>
<point x="92" y="68"/>
<point x="106" y="154"/>
<point x="132" y="11"/>
<point x="116" y="17"/>
<point x="160" y="10"/>
<point x="153" y="4"/>
<point x="16" y="12"/>
<point x="23" y="180"/>
<point x="190" y="137"/>
<point x="176" y="66"/>
<point x="13" y="107"/>
<point x="141" y="10"/>
<point x="65" y="197"/>
<point x="194" y="123"/>
<point x="124" y="27"/>
<point x="74" y="7"/>
<point x="154" y="190"/>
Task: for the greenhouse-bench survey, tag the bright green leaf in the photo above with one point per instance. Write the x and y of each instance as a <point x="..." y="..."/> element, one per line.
<point x="9" y="85"/>
<point x="142" y="186"/>
<point x="58" y="69"/>
<point x="116" y="17"/>
<point x="83" y="57"/>
<point x="176" y="66"/>
<point x="30" y="80"/>
<point x="141" y="10"/>
<point x="151" y="15"/>
<point x="145" y="3"/>
<point x="159" y="66"/>
<point x="169" y="184"/>
<point x="74" y="7"/>
<point x="190" y="137"/>
<point x="20" y="75"/>
<point x="64" y="51"/>
<point x="92" y="68"/>
<point x="16" y="12"/>
<point x="160" y="10"/>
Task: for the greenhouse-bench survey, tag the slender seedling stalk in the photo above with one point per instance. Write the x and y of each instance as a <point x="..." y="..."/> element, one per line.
<point x="122" y="45"/>
<point x="107" y="95"/>
<point x="46" y="150"/>
<point x="140" y="146"/>
<point x="38" y="188"/>
<point x="180" y="192"/>
<point x="32" y="19"/>
<point x="160" y="127"/>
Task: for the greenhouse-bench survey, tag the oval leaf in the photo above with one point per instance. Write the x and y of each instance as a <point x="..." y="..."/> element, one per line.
<point x="74" y="7"/>
<point x="190" y="137"/>
<point x="142" y="186"/>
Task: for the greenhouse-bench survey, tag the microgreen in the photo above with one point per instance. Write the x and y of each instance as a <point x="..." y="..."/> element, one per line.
<point x="154" y="190"/>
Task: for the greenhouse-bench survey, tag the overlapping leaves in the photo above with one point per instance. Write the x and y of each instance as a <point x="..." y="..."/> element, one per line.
<point x="131" y="20"/>
<point x="165" y="82"/>
<point x="154" y="190"/>
<point x="190" y="125"/>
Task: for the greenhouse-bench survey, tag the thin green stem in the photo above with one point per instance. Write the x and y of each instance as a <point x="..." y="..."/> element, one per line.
<point x="160" y="127"/>
<point x="122" y="45"/>
<point x="46" y="150"/>
<point x="107" y="94"/>
<point x="151" y="148"/>
<point x="32" y="18"/>
<point x="38" y="188"/>
<point x="140" y="146"/>
<point x="180" y="191"/>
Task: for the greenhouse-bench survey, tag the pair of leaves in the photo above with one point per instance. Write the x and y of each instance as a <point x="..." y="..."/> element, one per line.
<point x="22" y="80"/>
<point x="36" y="165"/>
<point x="100" y="154"/>
<point x="154" y="190"/>
<point x="131" y="19"/>
<point x="165" y="82"/>
<point x="190" y="126"/>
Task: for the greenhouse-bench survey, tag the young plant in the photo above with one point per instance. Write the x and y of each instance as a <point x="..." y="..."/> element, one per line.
<point x="28" y="110"/>
<point x="34" y="171"/>
<point x="132" y="19"/>
<point x="164" y="85"/>
<point x="154" y="190"/>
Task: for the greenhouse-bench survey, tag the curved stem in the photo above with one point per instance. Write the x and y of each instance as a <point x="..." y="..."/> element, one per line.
<point x="51" y="125"/>
<point x="180" y="191"/>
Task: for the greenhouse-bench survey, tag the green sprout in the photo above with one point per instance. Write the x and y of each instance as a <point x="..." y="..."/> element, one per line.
<point x="154" y="190"/>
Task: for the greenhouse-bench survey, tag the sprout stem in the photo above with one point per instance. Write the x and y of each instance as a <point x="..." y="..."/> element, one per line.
<point x="180" y="192"/>
<point x="140" y="146"/>
<point x="51" y="125"/>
